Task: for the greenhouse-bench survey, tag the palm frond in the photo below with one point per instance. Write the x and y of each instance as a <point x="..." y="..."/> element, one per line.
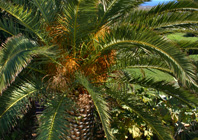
<point x="53" y="120"/>
<point x="162" y="9"/>
<point x="139" y="37"/>
<point x="172" y="14"/>
<point x="78" y="21"/>
<point x="163" y="86"/>
<point x="173" y="6"/>
<point x="25" y="17"/>
<point x="177" y="25"/>
<point x="48" y="9"/>
<point x="21" y="2"/>
<point x="100" y="104"/>
<point x="14" y="104"/>
<point x="175" y="19"/>
<point x="128" y="102"/>
<point x="17" y="52"/>
<point x="113" y="10"/>
<point x="141" y="62"/>
<point x="188" y="45"/>
<point x="165" y="31"/>
<point x="9" y="27"/>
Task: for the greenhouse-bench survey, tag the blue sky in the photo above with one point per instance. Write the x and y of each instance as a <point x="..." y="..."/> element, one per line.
<point x="155" y="2"/>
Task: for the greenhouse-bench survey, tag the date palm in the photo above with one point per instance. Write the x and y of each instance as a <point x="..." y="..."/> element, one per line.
<point x="72" y="54"/>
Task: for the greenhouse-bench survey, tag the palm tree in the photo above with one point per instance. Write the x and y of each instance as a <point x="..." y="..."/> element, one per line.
<point x="70" y="55"/>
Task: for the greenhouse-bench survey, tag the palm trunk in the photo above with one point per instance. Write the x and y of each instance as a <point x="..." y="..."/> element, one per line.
<point x="82" y="122"/>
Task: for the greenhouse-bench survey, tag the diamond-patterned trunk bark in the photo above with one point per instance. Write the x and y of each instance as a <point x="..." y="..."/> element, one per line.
<point x="82" y="123"/>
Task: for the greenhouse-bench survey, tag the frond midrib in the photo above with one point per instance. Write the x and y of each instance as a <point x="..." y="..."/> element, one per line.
<point x="31" y="92"/>
<point x="174" y="10"/>
<point x="26" y="25"/>
<point x="147" y="44"/>
<point x="53" y="119"/>
<point x="75" y="30"/>
<point x="176" y="24"/>
<point x="13" y="55"/>
<point x="106" y="13"/>
<point x="42" y="11"/>
<point x="6" y="31"/>
<point x="153" y="67"/>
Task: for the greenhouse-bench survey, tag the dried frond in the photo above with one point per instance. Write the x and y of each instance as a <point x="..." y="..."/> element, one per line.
<point x="101" y="33"/>
<point x="63" y="75"/>
<point x="98" y="70"/>
<point x="57" y="34"/>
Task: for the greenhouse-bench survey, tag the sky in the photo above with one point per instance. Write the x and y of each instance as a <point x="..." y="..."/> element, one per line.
<point x="155" y="2"/>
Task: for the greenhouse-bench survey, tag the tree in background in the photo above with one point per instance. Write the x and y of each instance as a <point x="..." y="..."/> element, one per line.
<point x="72" y="56"/>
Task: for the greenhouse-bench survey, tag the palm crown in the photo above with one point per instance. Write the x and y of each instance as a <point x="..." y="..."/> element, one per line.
<point x="78" y="50"/>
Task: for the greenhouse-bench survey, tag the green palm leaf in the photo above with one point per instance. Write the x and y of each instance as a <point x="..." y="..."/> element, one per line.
<point x="30" y="20"/>
<point x="171" y="20"/>
<point x="16" y="54"/>
<point x="178" y="93"/>
<point x="84" y="31"/>
<point x="78" y="19"/>
<point x="141" y="62"/>
<point x="188" y="45"/>
<point x="100" y="104"/>
<point x="21" y="2"/>
<point x="53" y="120"/>
<point x="9" y="27"/>
<point x="14" y="104"/>
<point x="48" y="9"/>
<point x="132" y="37"/>
<point x="173" y="6"/>
<point x="113" y="10"/>
<point x="169" y="15"/>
